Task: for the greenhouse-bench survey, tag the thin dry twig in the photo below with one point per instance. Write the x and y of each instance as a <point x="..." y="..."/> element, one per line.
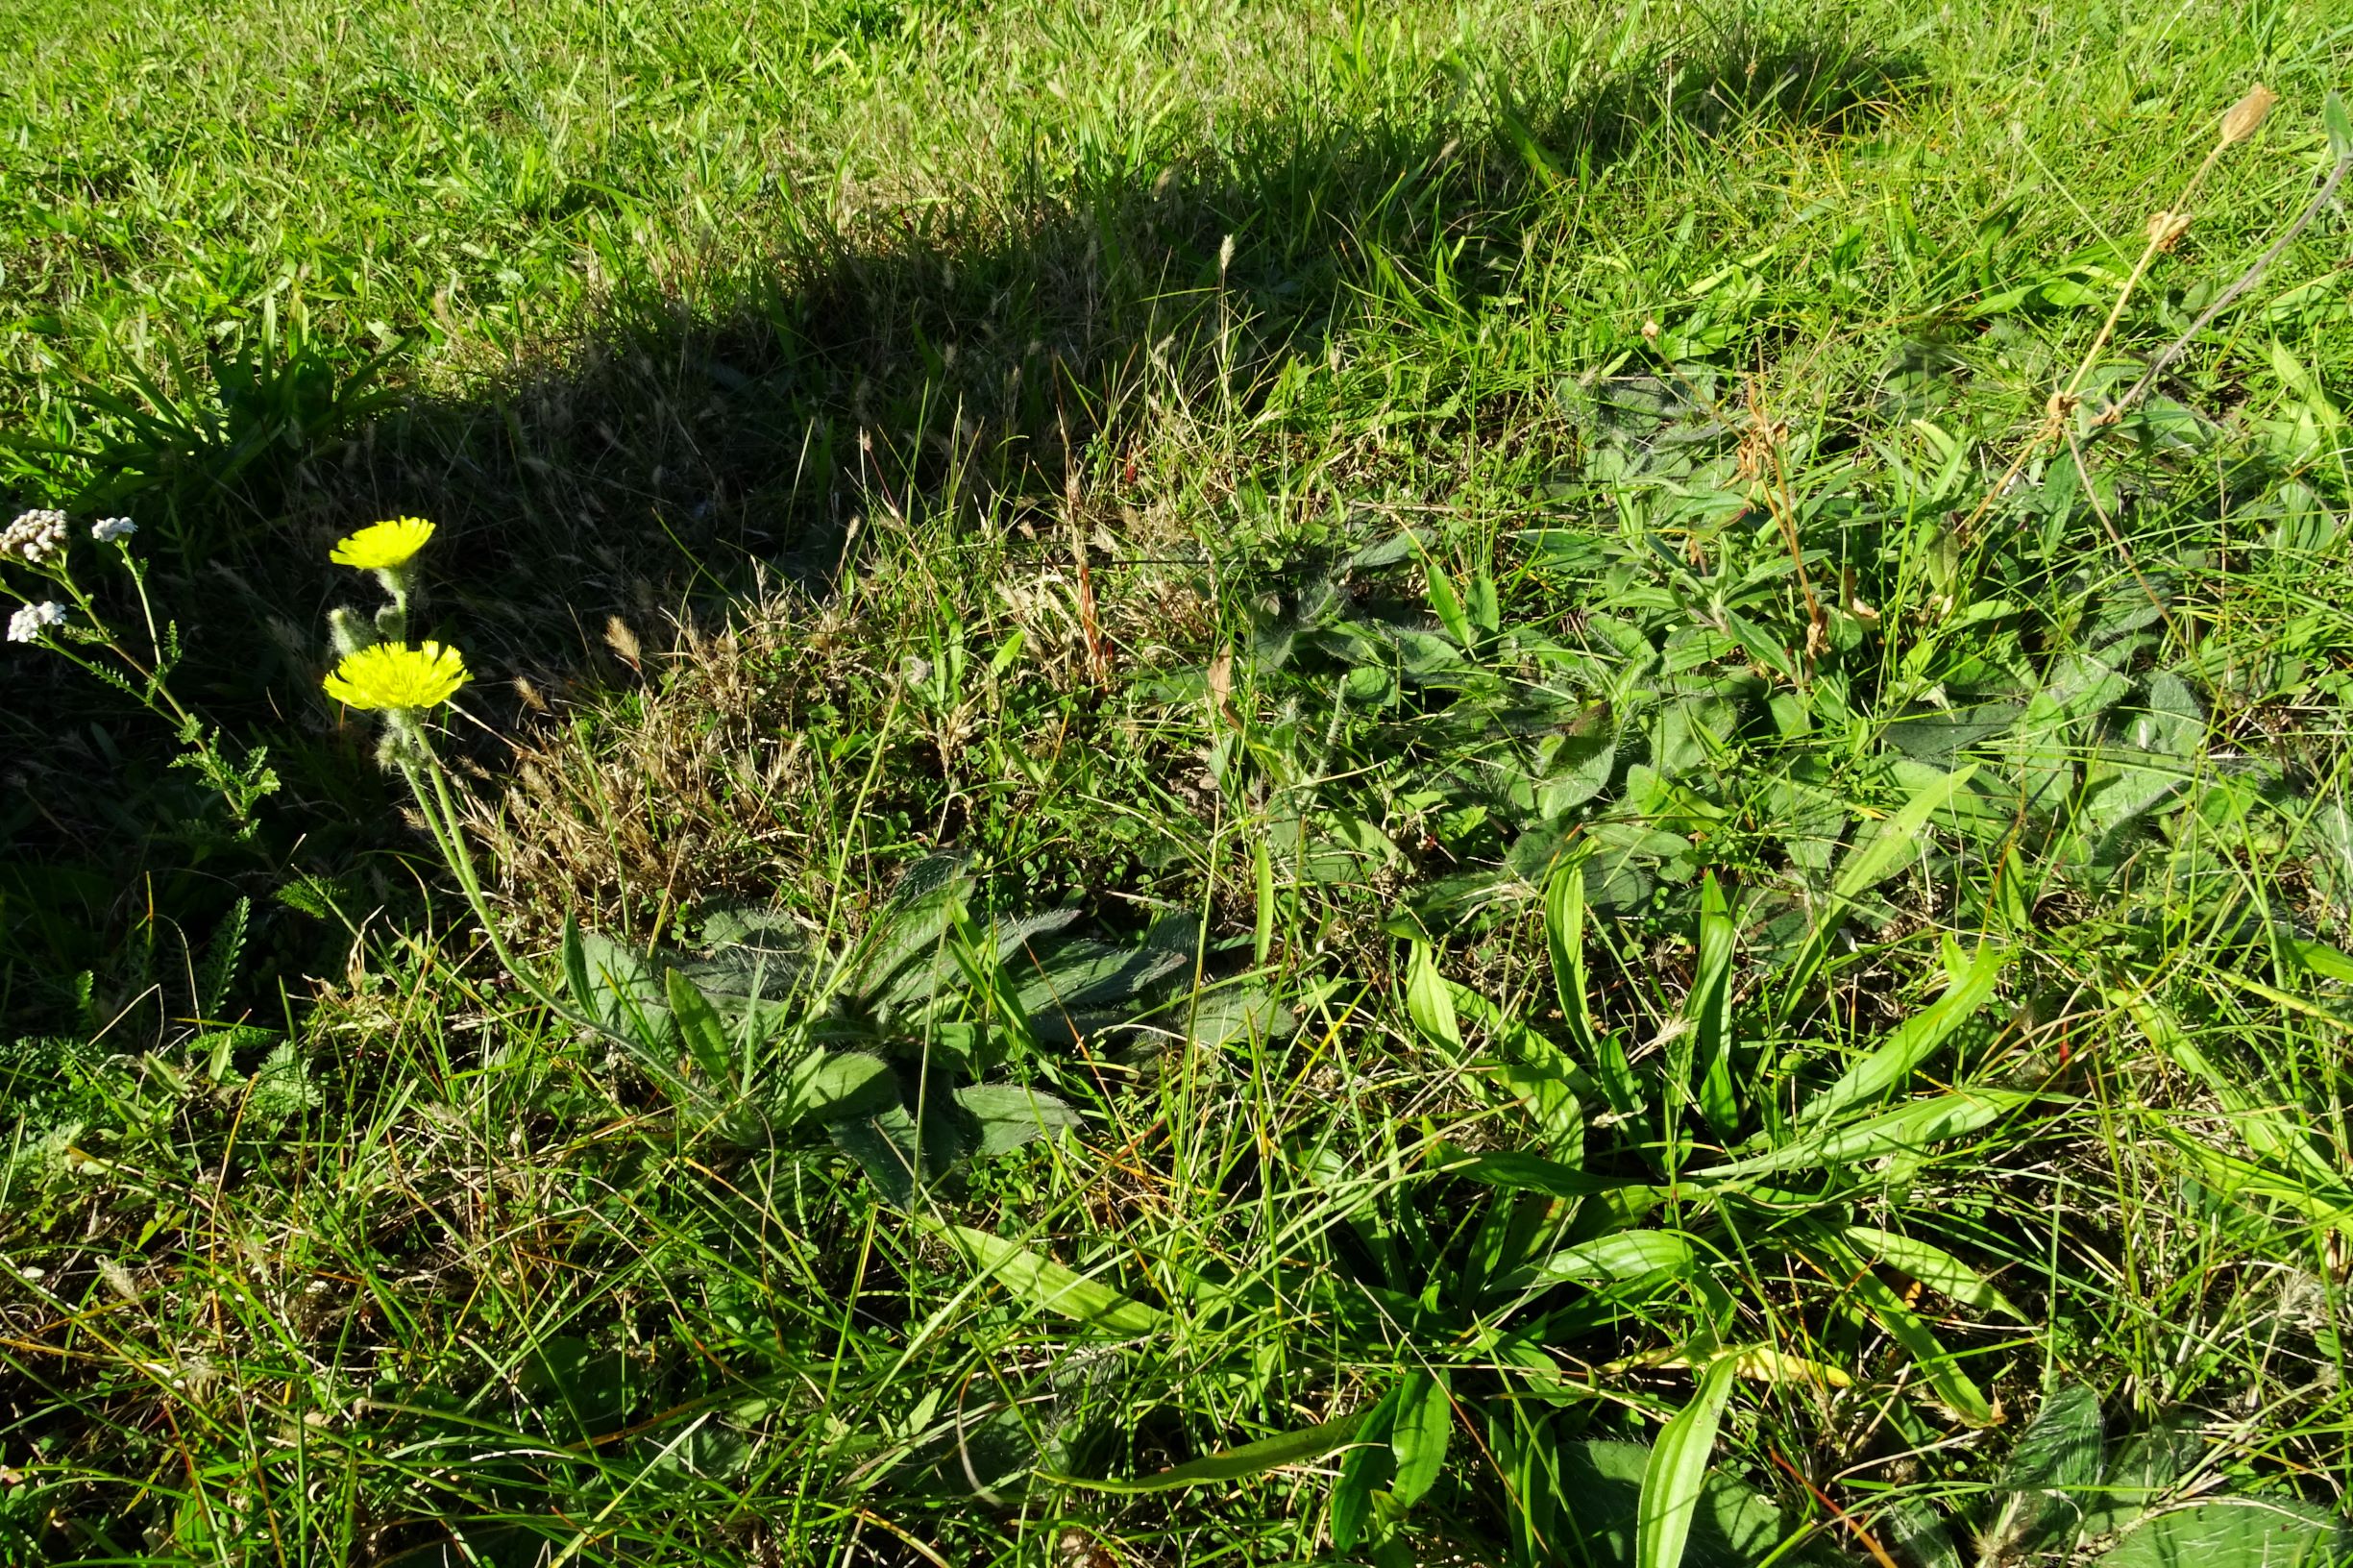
<point x="2223" y="300"/>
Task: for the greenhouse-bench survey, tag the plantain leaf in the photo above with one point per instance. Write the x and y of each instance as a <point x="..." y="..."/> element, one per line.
<point x="1300" y="1447"/>
<point x="1710" y="1009"/>
<point x="1887" y="1068"/>
<point x="1552" y="1103"/>
<point x="1908" y="1129"/>
<point x="1425" y="1422"/>
<point x="1934" y="1267"/>
<point x="1677" y="1470"/>
<point x="1952" y="1386"/>
<point x="1429" y="1002"/>
<point x="1368" y="1468"/>
<point x="1047" y="1285"/>
<point x="1564" y="933"/>
<point x="1620" y="1255"/>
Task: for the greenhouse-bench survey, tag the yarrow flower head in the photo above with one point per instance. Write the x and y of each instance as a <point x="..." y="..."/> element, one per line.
<point x="106" y="530"/>
<point x="396" y="677"/>
<point x="27" y="625"/>
<point x="383" y="547"/>
<point x="35" y="536"/>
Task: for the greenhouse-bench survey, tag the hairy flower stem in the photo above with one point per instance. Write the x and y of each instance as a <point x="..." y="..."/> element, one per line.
<point x="414" y="756"/>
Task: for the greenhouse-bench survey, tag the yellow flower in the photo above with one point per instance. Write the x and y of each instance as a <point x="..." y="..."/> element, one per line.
<point x="396" y="675"/>
<point x="383" y="547"/>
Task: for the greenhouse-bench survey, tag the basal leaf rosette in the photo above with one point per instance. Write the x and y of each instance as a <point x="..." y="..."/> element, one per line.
<point x="383" y="547"/>
<point x="395" y="677"/>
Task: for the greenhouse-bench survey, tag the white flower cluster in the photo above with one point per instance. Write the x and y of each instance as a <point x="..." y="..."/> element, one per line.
<point x="27" y="625"/>
<point x="35" y="536"/>
<point x="106" y="530"/>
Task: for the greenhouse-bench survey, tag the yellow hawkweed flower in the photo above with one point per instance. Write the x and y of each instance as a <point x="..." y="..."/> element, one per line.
<point x="396" y="675"/>
<point x="383" y="547"/>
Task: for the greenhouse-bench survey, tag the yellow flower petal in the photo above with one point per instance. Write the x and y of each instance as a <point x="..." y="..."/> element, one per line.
<point x="396" y="675"/>
<point x="382" y="545"/>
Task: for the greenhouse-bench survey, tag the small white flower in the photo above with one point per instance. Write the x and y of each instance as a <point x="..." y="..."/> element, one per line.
<point x="35" y="536"/>
<point x="106" y="530"/>
<point x="27" y="625"/>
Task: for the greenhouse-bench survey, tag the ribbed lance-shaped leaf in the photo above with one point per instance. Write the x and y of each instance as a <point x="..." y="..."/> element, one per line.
<point x="1552" y="1103"/>
<point x="1954" y="1387"/>
<point x="1891" y="1065"/>
<point x="1300" y="1447"/>
<point x="1677" y="1470"/>
<point x="1564" y="934"/>
<point x="1710" y="1009"/>
<point x="700" y="1026"/>
<point x="1430" y="1003"/>
<point x="1934" y="1267"/>
<point x="1906" y="1129"/>
<point x="1622" y="1255"/>
<point x="1038" y="1280"/>
<point x="1368" y="1468"/>
<point x="1418" y="1438"/>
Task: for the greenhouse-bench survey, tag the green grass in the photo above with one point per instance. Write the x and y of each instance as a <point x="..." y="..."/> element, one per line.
<point x="1402" y="629"/>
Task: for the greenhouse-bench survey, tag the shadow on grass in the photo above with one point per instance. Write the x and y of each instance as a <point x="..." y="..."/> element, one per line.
<point x="713" y="432"/>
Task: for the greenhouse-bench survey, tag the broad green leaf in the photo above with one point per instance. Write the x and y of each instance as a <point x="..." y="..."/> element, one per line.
<point x="1043" y="1284"/>
<point x="1012" y="1115"/>
<point x="1897" y="838"/>
<point x="624" y="994"/>
<point x="1429" y="1001"/>
<point x="1300" y="1447"/>
<point x="901" y="1154"/>
<point x="2234" y="1533"/>
<point x="1600" y="1493"/>
<point x="831" y="1084"/>
<point x="1425" y="1422"/>
<point x="1892" y="1064"/>
<point x="1677" y="1470"/>
<point x="2339" y="127"/>
<point x="1447" y="605"/>
<point x="1906" y="1129"/>
<point x="2322" y="960"/>
<point x="1486" y="613"/>
<point x="2046" y="1486"/>
<point x="1934" y="1267"/>
<point x="1919" y="1536"/>
<point x="700" y="1026"/>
